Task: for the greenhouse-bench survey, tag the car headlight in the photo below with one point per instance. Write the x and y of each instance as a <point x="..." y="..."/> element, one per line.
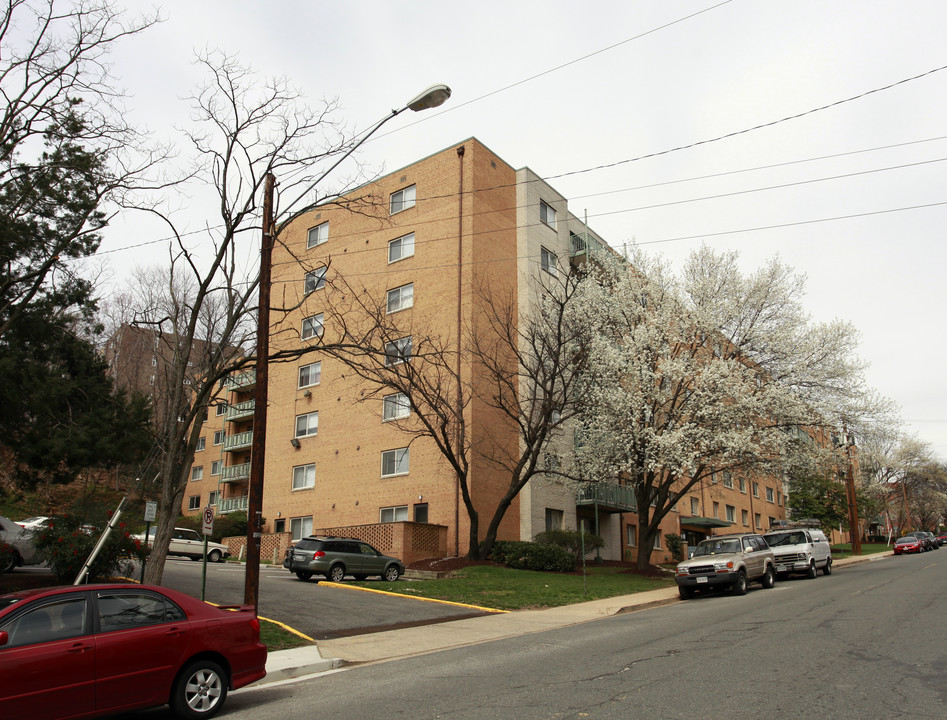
<point x="723" y="566"/>
<point x="681" y="570"/>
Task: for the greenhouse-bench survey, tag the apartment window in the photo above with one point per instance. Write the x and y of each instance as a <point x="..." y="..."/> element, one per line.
<point x="403" y="199"/>
<point x="315" y="280"/>
<point x="742" y="485"/>
<point x="307" y="424"/>
<point x="397" y="351"/>
<point x="631" y="533"/>
<point x="279" y="525"/>
<point x="756" y="489"/>
<point x="547" y="214"/>
<point x="197" y="472"/>
<point x="756" y="519"/>
<point x="695" y="506"/>
<point x="716" y="510"/>
<point x="553" y="519"/>
<point x="395" y="407"/>
<point x="401" y="248"/>
<point x="770" y="495"/>
<point x="779" y="499"/>
<point x="221" y="408"/>
<point x="300" y="527"/>
<point x="194" y="502"/>
<point x="318" y="235"/>
<point x="731" y="513"/>
<point x="398" y="513"/>
<point x="727" y="479"/>
<point x="310" y="374"/>
<point x="548" y="261"/>
<point x="395" y="462"/>
<point x="212" y="498"/>
<point x="400" y="298"/>
<point x="201" y="442"/>
<point x="772" y="521"/>
<point x="215" y="467"/>
<point x="313" y="326"/>
<point x="219" y="436"/>
<point x="745" y="517"/>
<point x="420" y="512"/>
<point x="304" y="477"/>
<point x="657" y="541"/>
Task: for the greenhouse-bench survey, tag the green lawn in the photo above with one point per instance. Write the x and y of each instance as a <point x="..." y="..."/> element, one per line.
<point x="505" y="589"/>
<point x="845" y="550"/>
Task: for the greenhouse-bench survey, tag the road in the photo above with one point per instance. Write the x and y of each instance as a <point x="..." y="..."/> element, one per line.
<point x="867" y="642"/>
<point x="314" y="609"/>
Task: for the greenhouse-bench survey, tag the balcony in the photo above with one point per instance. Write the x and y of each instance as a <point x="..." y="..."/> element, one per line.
<point x="241" y="411"/>
<point x="238" y="442"/>
<point x="233" y="504"/>
<point x="609" y="497"/>
<point x="243" y="381"/>
<point x="235" y="473"/>
<point x="584" y="244"/>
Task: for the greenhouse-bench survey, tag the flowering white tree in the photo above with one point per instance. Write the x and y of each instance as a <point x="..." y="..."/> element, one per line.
<point x="709" y="371"/>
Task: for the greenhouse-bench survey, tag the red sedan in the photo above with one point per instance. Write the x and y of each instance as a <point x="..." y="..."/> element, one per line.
<point x="908" y="544"/>
<point x="91" y="650"/>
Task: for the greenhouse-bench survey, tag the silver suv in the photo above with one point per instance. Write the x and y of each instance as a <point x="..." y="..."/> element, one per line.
<point x="800" y="550"/>
<point x="727" y="561"/>
<point x="337" y="557"/>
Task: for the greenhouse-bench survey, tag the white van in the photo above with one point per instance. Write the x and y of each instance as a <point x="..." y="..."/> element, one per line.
<point x="800" y="550"/>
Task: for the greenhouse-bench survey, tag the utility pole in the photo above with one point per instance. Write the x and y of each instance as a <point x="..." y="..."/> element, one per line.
<point x="852" y="498"/>
<point x="251" y="589"/>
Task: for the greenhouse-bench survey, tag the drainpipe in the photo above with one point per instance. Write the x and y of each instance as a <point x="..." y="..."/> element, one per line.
<point x="460" y="295"/>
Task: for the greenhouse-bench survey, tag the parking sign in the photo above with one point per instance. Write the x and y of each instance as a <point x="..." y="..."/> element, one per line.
<point x="208" y="520"/>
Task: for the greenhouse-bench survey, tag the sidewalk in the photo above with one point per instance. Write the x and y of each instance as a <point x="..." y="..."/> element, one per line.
<point x="407" y="642"/>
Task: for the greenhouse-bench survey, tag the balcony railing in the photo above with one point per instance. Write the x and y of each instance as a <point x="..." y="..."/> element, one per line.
<point x="239" y="441"/>
<point x="584" y="244"/>
<point x="244" y="380"/>
<point x="233" y="504"/>
<point x="608" y="496"/>
<point x="240" y="411"/>
<point x="235" y="473"/>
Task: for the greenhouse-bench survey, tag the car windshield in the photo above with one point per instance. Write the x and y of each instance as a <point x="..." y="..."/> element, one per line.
<point x="785" y="538"/>
<point x="902" y="541"/>
<point x="717" y="547"/>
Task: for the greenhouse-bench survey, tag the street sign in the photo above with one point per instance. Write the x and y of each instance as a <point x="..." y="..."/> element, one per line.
<point x="208" y="520"/>
<point x="151" y="510"/>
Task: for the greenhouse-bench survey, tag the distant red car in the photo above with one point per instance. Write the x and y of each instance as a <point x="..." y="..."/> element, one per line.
<point x="92" y="650"/>
<point x="909" y="544"/>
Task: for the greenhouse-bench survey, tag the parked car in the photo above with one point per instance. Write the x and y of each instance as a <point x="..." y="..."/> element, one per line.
<point x="908" y="544"/>
<point x="337" y="557"/>
<point x="91" y="650"/>
<point x="800" y="550"/>
<point x="23" y="551"/>
<point x="34" y="523"/>
<point x="190" y="543"/>
<point x="942" y="538"/>
<point x="925" y="539"/>
<point x="727" y="561"/>
<point x="935" y="544"/>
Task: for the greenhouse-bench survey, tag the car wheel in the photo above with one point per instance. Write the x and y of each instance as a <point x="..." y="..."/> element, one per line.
<point x="769" y="578"/>
<point x="827" y="570"/>
<point x="686" y="593"/>
<point x="811" y="573"/>
<point x="336" y="573"/>
<point x="739" y="587"/>
<point x="214" y="556"/>
<point x="360" y="577"/>
<point x="199" y="690"/>
<point x="303" y="574"/>
<point x="391" y="574"/>
<point x="12" y="563"/>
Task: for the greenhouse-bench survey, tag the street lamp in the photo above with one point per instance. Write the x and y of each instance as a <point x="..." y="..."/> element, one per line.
<point x="434" y="96"/>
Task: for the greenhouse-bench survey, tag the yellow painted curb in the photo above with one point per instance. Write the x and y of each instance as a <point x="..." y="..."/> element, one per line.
<point x="411" y="597"/>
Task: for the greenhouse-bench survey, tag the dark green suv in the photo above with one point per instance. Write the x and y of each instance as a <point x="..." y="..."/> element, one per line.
<point x="337" y="557"/>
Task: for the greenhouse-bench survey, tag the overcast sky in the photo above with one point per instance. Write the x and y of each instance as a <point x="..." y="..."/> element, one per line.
<point x="852" y="195"/>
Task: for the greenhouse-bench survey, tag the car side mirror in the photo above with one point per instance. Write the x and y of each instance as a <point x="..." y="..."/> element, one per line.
<point x="4" y="638"/>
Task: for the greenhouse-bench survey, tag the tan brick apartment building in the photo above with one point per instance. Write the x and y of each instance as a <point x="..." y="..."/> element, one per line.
<point x="435" y="231"/>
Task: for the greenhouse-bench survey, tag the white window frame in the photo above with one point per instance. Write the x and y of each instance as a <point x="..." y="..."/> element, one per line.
<point x="657" y="541"/>
<point x="745" y="517"/>
<point x="695" y="506"/>
<point x="631" y="535"/>
<point x="201" y="444"/>
<point x="731" y="514"/>
<point x="221" y="408"/>
<point x="212" y="497"/>
<point x="548" y="261"/>
<point x="304" y="477"/>
<point x="396" y="513"/>
<point x="197" y="473"/>
<point x="310" y="424"/>
<point x="547" y="214"/>
<point x="403" y="246"/>
<point x="403" y="199"/>
<point x="400" y="298"/>
<point x="215" y="466"/>
<point x="194" y="502"/>
<point x="756" y="489"/>
<point x="219" y="437"/>
<point x="400" y="461"/>
<point x="317" y="235"/>
<point x="395" y="407"/>
<point x="300" y="527"/>
<point x="312" y="373"/>
<point x="315" y="280"/>
<point x="398" y="351"/>
<point x="313" y="326"/>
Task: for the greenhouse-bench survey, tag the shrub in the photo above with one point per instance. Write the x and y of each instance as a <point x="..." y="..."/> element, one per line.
<point x="572" y="540"/>
<point x="676" y="545"/>
<point x="523" y="555"/>
<point x="66" y="543"/>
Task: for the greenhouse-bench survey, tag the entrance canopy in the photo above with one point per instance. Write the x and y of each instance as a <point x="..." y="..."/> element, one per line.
<point x="705" y="522"/>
